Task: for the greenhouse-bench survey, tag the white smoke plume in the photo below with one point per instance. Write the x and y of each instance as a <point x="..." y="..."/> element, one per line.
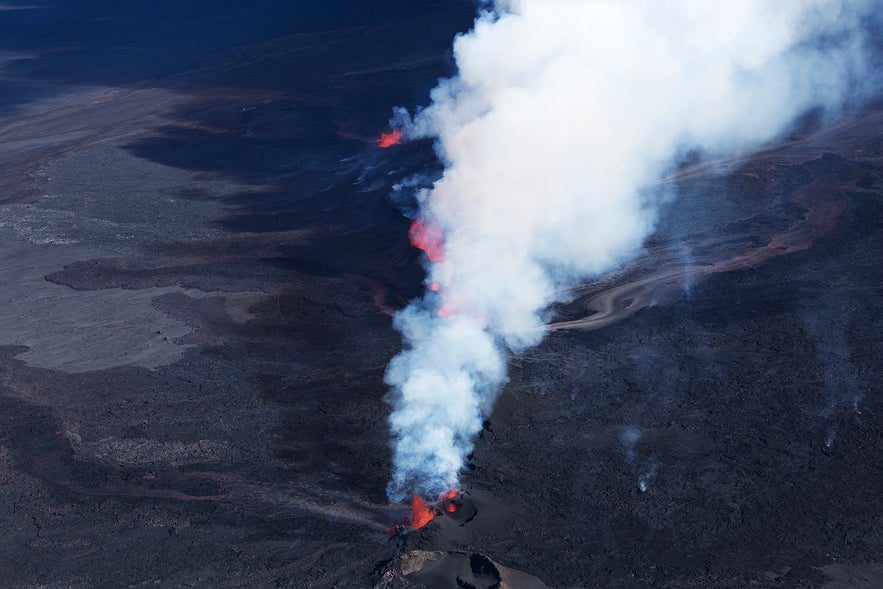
<point x="561" y="112"/>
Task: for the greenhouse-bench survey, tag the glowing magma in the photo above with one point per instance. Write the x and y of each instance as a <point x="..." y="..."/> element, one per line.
<point x="386" y="140"/>
<point x="450" y="506"/>
<point x="428" y="237"/>
<point x="422" y="513"/>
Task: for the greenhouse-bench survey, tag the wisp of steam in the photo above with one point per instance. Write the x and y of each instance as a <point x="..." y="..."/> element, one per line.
<point x="561" y="114"/>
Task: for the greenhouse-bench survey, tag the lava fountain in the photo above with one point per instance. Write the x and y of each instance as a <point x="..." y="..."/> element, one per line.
<point x="387" y="140"/>
<point x="422" y="512"/>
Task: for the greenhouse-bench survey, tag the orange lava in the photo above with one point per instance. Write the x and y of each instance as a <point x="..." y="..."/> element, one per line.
<point x="421" y="513"/>
<point x="434" y="287"/>
<point x="449" y="495"/>
<point x="427" y="237"/>
<point x="387" y="140"/>
<point x="445" y="311"/>
<point x="447" y="500"/>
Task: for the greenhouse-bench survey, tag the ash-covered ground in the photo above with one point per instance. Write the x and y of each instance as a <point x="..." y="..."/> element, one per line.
<point x="200" y="258"/>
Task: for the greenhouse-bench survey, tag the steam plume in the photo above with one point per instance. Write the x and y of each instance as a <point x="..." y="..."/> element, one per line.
<point x="562" y="110"/>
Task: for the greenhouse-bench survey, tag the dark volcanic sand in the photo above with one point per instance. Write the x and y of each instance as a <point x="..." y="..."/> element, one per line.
<point x="199" y="261"/>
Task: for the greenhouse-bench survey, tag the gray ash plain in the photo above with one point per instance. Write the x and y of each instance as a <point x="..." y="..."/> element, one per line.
<point x="200" y="260"/>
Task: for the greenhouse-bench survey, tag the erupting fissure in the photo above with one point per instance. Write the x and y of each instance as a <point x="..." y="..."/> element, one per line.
<point x="422" y="513"/>
<point x="387" y="140"/>
<point x="427" y="236"/>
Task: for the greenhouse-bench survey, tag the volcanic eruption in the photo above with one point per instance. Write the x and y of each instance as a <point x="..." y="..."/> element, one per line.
<point x="619" y="92"/>
<point x="427" y="237"/>
<point x="422" y="513"/>
<point x="387" y="140"/>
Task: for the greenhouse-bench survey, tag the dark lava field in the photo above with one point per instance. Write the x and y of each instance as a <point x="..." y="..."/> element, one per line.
<point x="200" y="261"/>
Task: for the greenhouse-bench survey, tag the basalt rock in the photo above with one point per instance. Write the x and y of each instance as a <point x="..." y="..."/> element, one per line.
<point x="452" y="570"/>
